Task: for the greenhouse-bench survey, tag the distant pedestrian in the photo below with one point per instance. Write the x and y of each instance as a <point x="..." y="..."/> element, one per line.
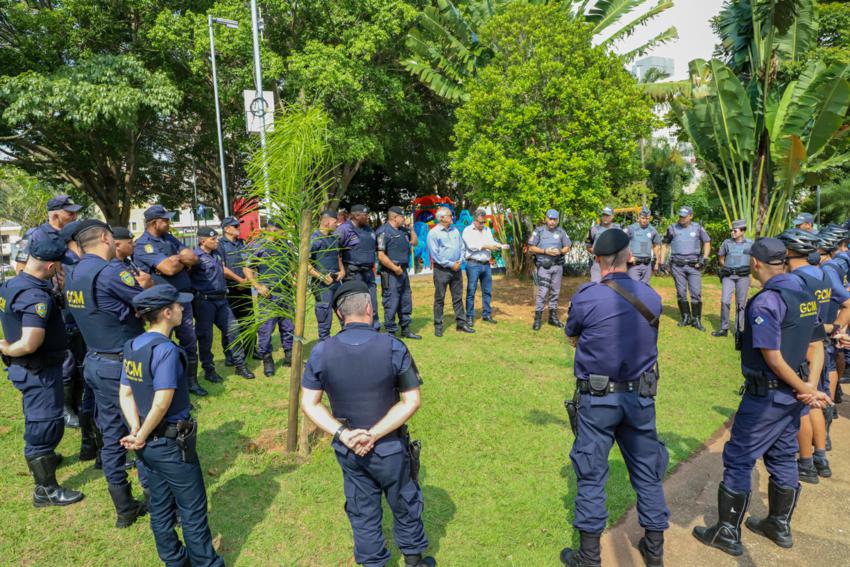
<point x="606" y="222"/>
<point x="549" y="243"/>
<point x="734" y="256"/>
<point x="395" y="243"/>
<point x="645" y="244"/>
<point x="480" y="245"/>
<point x="690" y="246"/>
<point x="446" y="246"/>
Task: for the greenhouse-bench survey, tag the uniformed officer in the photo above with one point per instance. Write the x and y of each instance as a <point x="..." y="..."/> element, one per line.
<point x="98" y="293"/>
<point x="394" y="241"/>
<point x="359" y="246"/>
<point x="778" y="328"/>
<point x="800" y="244"/>
<point x="210" y="306"/>
<point x="61" y="210"/>
<point x="690" y="246"/>
<point x="33" y="349"/>
<point x="805" y="221"/>
<point x="272" y="266"/>
<point x="72" y="367"/>
<point x="734" y="255"/>
<point x="155" y="402"/>
<point x="549" y="243"/>
<point x="613" y="325"/>
<point x="239" y="278"/>
<point x="644" y="242"/>
<point x="367" y="419"/>
<point x="124" y="244"/>
<point x="168" y="260"/>
<point x="326" y="268"/>
<point x="606" y="222"/>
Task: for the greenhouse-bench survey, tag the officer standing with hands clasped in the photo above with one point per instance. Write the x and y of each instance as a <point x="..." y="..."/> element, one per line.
<point x="606" y="223"/>
<point x="689" y="248"/>
<point x="616" y="382"/>
<point x="779" y="323"/>
<point x="155" y="401"/>
<point x="33" y="348"/>
<point x="549" y="243"/>
<point x="239" y="280"/>
<point x="644" y="242"/>
<point x="168" y="260"/>
<point x="325" y="267"/>
<point x="211" y="307"/>
<point x="367" y="418"/>
<point x="394" y="244"/>
<point x="358" y="243"/>
<point x="734" y="255"/>
<point x="99" y="292"/>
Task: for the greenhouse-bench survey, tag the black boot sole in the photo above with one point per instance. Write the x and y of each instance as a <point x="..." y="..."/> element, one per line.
<point x="784" y="544"/>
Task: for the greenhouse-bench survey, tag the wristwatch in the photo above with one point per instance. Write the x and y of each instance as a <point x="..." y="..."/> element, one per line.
<point x="339" y="432"/>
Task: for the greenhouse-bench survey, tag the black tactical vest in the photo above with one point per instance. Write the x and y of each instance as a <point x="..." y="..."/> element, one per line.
<point x="55" y="340"/>
<point x="822" y="291"/>
<point x="138" y="368"/>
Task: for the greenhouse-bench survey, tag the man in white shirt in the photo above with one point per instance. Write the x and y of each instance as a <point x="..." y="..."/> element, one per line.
<point x="479" y="244"/>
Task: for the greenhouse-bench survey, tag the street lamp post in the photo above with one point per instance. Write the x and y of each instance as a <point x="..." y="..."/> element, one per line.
<point x="232" y="24"/>
<point x="258" y="86"/>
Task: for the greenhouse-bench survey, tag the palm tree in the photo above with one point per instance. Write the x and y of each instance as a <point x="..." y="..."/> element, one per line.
<point x="445" y="50"/>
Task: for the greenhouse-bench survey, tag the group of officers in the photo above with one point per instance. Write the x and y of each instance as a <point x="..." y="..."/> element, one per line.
<point x="137" y="383"/>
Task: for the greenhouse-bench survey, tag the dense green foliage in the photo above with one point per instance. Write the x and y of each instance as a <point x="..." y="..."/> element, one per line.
<point x="669" y="172"/>
<point x="552" y="121"/>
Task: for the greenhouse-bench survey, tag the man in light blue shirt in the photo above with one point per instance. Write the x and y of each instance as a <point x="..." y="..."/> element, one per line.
<point x="446" y="247"/>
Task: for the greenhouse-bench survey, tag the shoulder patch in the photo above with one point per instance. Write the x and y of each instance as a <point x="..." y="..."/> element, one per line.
<point x="127" y="278"/>
<point x="149" y="248"/>
<point x="41" y="310"/>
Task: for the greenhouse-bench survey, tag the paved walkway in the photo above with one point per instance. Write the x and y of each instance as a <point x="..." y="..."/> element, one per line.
<point x="821" y="522"/>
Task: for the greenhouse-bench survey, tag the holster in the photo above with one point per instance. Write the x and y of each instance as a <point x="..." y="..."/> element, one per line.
<point x="187" y="438"/>
<point x="724" y="272"/>
<point x="756" y="384"/>
<point x="414" y="449"/>
<point x="648" y="386"/>
<point x="544" y="262"/>
<point x="572" y="412"/>
<point x="385" y="279"/>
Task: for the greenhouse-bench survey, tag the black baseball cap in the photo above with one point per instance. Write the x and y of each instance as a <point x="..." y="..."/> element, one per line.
<point x="158" y="296"/>
<point x="396" y="210"/>
<point x="157" y="212"/>
<point x="610" y="242"/>
<point x="350" y="287"/>
<point x="121" y="233"/>
<point x="230" y="221"/>
<point x="207" y="232"/>
<point x="63" y="203"/>
<point x="329" y="213"/>
<point x="359" y="209"/>
<point x="50" y="250"/>
<point x="86" y="224"/>
<point x="769" y="250"/>
<point x="69" y="231"/>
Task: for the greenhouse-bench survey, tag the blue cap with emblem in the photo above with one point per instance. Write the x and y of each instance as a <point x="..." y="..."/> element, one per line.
<point x="645" y="212"/>
<point x="552" y="214"/>
<point x="121" y="233"/>
<point x="48" y="249"/>
<point x="804" y="218"/>
<point x="608" y="211"/>
<point x="69" y="231"/>
<point x="685" y="211"/>
<point x="741" y="224"/>
<point x="230" y="221"/>
<point x="63" y="203"/>
<point x="157" y="212"/>
<point x="206" y="232"/>
<point x="158" y="296"/>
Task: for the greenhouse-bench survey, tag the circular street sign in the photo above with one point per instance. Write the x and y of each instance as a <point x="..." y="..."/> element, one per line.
<point x="258" y="107"/>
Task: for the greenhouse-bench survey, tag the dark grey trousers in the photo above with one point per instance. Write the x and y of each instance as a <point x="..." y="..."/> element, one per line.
<point x="443" y="278"/>
<point x="687" y="278"/>
<point x="740" y="285"/>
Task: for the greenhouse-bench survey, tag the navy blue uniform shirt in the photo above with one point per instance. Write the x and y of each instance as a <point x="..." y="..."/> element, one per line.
<point x="150" y="251"/>
<point x="233" y="253"/>
<point x="35" y="304"/>
<point x="167" y="369"/>
<point x="116" y="287"/>
<point x="614" y="339"/>
<point x="324" y="251"/>
<point x="208" y="274"/>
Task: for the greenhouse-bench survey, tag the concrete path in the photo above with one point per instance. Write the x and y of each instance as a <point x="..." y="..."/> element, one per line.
<point x="821" y="522"/>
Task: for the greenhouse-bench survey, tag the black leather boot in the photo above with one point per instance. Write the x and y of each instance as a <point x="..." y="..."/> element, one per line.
<point x="822" y="466"/>
<point x="651" y="547"/>
<point x="438" y="329"/>
<point x="553" y="319"/>
<point x="720" y="333"/>
<point x="685" y="312"/>
<point x="192" y="377"/>
<point x="807" y="473"/>
<point x="406" y="333"/>
<point x="268" y="365"/>
<point x="464" y="328"/>
<point x="588" y="554"/>
<point x="287" y="358"/>
<point x="696" y="315"/>
<point x="72" y="420"/>
<point x="725" y="535"/>
<point x="213" y="376"/>
<point x="777" y="525"/>
<point x="88" y="445"/>
<point x="127" y="508"/>
<point x="244" y="372"/>
<point x="538" y="320"/>
<point x="419" y="561"/>
<point x="47" y="491"/>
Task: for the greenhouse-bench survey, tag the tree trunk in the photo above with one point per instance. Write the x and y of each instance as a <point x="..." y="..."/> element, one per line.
<point x="298" y="345"/>
<point x="344" y="173"/>
<point x="764" y="188"/>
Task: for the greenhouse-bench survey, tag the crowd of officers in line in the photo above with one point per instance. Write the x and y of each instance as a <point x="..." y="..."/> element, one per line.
<point x="89" y="283"/>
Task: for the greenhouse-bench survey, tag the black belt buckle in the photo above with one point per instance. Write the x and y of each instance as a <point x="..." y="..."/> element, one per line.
<point x="598" y="384"/>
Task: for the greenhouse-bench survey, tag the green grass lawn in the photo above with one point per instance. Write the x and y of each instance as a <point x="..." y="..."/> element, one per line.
<point x="496" y="474"/>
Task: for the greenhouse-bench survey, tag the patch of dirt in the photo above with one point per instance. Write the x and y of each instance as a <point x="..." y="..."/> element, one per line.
<point x="269" y="440"/>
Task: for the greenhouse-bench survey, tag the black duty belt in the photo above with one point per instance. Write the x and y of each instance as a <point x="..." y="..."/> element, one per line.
<point x="680" y="263"/>
<point x="167" y="430"/>
<point x="37" y="361"/>
<point x="357" y="268"/>
<point x="210" y="296"/>
<point x="643" y="261"/>
<point x="613" y="387"/>
<point x="116" y="356"/>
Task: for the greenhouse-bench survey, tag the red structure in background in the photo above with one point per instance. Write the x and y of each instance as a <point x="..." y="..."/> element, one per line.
<point x="424" y="208"/>
<point x="248" y="211"/>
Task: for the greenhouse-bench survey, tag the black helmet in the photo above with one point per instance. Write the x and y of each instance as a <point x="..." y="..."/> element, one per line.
<point x="799" y="241"/>
<point x="828" y="241"/>
<point x="838" y="233"/>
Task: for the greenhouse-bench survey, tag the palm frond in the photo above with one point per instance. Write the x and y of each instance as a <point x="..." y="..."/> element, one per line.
<point x="629" y="28"/>
<point x="605" y="13"/>
<point x="670" y="34"/>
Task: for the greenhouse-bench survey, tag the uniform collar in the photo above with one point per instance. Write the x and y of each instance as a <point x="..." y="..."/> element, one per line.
<point x="361" y="326"/>
<point x="616" y="276"/>
<point x="38" y="281"/>
<point x="47" y="227"/>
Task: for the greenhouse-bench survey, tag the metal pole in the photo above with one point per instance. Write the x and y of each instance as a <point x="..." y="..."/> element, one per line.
<point x="195" y="189"/>
<point x="218" y="120"/>
<point x="258" y="87"/>
<point x="817" y="195"/>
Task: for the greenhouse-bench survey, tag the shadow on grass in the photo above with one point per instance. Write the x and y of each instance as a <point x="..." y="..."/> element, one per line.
<point x="438" y="512"/>
<point x="537" y="417"/>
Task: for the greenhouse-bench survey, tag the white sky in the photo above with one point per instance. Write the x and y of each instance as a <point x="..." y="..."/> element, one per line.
<point x="696" y="39"/>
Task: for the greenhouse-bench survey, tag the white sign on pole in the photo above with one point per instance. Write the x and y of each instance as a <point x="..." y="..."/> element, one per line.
<point x="256" y="109"/>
